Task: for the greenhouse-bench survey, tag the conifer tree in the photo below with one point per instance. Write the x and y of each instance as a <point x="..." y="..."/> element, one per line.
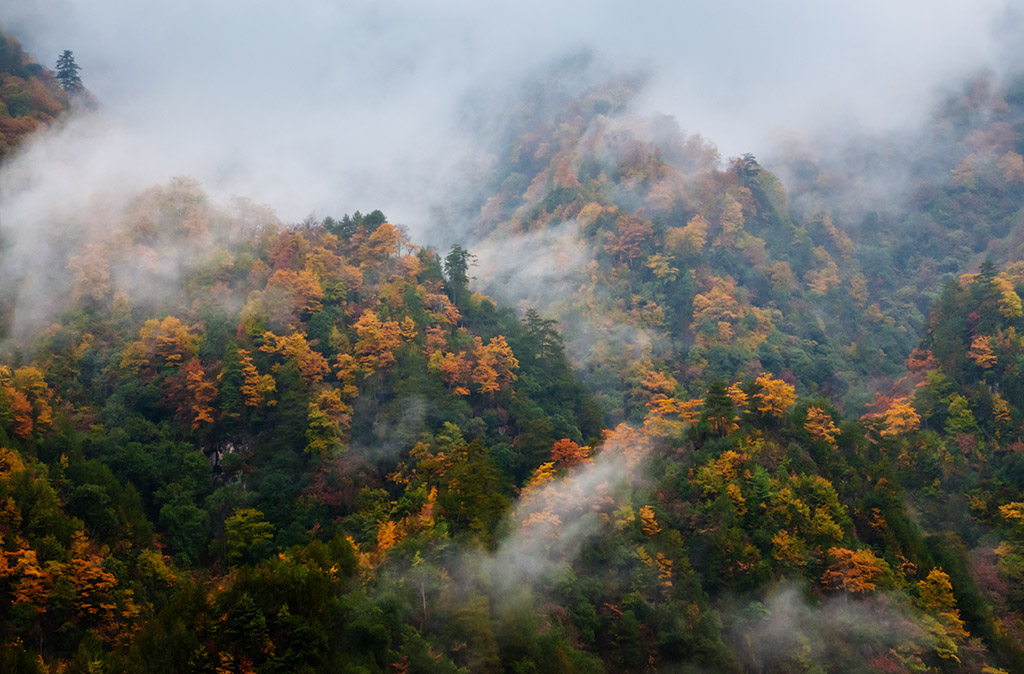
<point x="456" y="269"/>
<point x="67" y="72"/>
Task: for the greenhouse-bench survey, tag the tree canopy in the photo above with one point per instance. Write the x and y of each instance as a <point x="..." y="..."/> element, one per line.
<point x="740" y="428"/>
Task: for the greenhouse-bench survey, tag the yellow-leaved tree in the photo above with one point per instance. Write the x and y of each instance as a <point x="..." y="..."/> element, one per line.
<point x="774" y="396"/>
<point x="900" y="418"/>
<point x="819" y="425"/>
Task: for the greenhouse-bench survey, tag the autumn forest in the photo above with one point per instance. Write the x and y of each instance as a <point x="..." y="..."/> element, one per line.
<point x="647" y="409"/>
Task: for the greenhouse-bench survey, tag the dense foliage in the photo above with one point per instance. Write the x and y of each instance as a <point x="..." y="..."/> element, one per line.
<point x="668" y="269"/>
<point x="239" y="446"/>
<point x="30" y="97"/>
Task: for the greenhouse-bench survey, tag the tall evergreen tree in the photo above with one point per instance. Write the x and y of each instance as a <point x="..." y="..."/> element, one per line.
<point x="456" y="270"/>
<point x="67" y="72"/>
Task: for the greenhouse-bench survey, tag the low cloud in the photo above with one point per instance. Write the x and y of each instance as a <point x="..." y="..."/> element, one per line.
<point x="316" y="106"/>
<point x="839" y="632"/>
<point x="553" y="521"/>
<point x="322" y="108"/>
<point x="548" y="265"/>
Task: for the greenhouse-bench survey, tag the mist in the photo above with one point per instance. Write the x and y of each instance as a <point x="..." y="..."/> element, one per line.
<point x="787" y="628"/>
<point x="325" y="108"/>
<point x="317" y="108"/>
<point x="554" y="520"/>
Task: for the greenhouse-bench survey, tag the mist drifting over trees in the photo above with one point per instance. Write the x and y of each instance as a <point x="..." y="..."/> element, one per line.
<point x="574" y="338"/>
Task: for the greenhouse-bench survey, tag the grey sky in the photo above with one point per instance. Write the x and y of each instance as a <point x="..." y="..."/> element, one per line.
<point x="310" y="105"/>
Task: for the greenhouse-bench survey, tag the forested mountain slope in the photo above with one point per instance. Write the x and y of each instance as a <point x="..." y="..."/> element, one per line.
<point x="230" y="444"/>
<point x="30" y="97"/>
<point x="668" y="268"/>
<point x="277" y="380"/>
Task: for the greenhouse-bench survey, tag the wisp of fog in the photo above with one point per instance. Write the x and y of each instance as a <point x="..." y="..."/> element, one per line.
<point x="323" y="107"/>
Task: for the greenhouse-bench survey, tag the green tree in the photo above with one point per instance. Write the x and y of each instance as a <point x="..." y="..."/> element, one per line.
<point x="186" y="527"/>
<point x="250" y="537"/>
<point x="67" y="72"/>
<point x="719" y="414"/>
<point x="456" y="273"/>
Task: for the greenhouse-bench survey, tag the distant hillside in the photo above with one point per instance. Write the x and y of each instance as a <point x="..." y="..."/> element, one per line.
<point x="669" y="268"/>
<point x="29" y="95"/>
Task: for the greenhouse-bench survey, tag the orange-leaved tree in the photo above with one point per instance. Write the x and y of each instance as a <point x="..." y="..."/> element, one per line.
<point x="981" y="351"/>
<point x="256" y="388"/>
<point x="819" y="425"/>
<point x="854" y="571"/>
<point x="201" y="393"/>
<point x="24" y="401"/>
<point x="377" y="342"/>
<point x="565" y="453"/>
<point x="312" y="366"/>
<point x="900" y="418"/>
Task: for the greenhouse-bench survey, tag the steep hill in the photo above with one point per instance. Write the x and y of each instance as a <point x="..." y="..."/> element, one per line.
<point x="669" y="269"/>
<point x="231" y="444"/>
<point x="29" y="95"/>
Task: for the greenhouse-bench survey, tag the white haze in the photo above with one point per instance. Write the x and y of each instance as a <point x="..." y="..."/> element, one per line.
<point x="554" y="520"/>
<point x="788" y="629"/>
<point x="538" y="551"/>
<point x="328" y="107"/>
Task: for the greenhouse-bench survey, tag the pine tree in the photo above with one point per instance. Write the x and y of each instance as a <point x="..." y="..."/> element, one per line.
<point x="67" y="72"/>
<point x="456" y="271"/>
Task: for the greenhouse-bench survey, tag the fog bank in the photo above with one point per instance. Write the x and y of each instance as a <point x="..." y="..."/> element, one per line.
<point x="327" y="107"/>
